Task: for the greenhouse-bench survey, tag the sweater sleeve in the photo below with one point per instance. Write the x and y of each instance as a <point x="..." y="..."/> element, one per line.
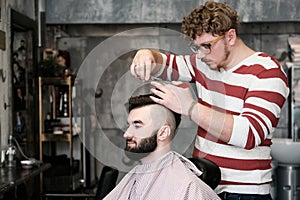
<point x="262" y="107"/>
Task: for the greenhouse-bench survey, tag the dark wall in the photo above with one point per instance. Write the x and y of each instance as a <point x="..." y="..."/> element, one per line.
<point x="161" y="11"/>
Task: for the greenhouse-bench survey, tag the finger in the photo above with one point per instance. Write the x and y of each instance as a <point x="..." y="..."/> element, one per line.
<point x="157" y="92"/>
<point x="161" y="94"/>
<point x="159" y="86"/>
<point x="148" y="69"/>
<point x="181" y="84"/>
<point x="141" y="72"/>
<point x="145" y="72"/>
<point x="157" y="100"/>
<point x="132" y="70"/>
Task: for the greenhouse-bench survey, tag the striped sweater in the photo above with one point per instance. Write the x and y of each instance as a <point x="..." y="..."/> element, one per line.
<point x="254" y="92"/>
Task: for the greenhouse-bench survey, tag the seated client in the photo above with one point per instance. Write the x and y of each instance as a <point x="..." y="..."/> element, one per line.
<point x="161" y="172"/>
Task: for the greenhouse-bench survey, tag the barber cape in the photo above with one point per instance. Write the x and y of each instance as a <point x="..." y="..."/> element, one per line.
<point x="171" y="177"/>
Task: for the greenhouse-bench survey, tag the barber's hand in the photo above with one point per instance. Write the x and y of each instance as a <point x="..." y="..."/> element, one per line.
<point x="142" y="64"/>
<point x="176" y="96"/>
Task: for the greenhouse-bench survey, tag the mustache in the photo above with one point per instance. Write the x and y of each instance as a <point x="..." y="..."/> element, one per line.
<point x="130" y="140"/>
<point x="128" y="148"/>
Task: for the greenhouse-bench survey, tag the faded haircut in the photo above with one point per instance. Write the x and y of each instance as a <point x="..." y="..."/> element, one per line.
<point x="143" y="100"/>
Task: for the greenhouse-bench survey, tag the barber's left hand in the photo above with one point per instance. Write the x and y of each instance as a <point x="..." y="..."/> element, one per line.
<point x="176" y="96"/>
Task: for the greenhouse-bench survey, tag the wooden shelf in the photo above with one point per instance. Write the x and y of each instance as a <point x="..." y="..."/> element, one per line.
<point x="55" y="137"/>
<point x="55" y="97"/>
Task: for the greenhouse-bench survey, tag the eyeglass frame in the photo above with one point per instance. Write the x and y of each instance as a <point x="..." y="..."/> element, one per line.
<point x="204" y="48"/>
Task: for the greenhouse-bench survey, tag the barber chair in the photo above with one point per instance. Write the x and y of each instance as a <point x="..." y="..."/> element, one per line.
<point x="106" y="183"/>
<point x="211" y="173"/>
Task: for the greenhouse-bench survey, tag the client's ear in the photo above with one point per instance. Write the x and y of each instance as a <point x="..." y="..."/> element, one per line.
<point x="164" y="132"/>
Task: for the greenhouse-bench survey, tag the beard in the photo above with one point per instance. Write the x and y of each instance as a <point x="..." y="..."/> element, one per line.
<point x="146" y="146"/>
<point x="218" y="66"/>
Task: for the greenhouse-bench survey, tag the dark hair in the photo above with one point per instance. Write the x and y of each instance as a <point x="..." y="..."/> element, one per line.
<point x="143" y="100"/>
<point x="66" y="56"/>
<point x="213" y="17"/>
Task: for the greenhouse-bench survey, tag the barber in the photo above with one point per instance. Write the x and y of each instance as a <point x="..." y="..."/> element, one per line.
<point x="240" y="96"/>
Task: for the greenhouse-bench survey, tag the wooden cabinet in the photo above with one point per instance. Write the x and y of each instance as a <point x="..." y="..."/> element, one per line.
<point x="56" y="127"/>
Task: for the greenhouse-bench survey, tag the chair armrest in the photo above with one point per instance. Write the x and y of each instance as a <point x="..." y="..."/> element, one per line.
<point x="211" y="173"/>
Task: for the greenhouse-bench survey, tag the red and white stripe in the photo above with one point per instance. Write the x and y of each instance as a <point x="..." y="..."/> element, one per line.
<point x="254" y="91"/>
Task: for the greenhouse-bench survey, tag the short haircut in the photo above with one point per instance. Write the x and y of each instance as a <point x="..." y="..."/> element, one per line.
<point x="143" y="100"/>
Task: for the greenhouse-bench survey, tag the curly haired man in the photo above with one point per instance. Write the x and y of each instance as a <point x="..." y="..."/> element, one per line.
<point x="240" y="94"/>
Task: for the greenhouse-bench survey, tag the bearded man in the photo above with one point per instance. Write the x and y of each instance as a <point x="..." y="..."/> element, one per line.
<point x="162" y="173"/>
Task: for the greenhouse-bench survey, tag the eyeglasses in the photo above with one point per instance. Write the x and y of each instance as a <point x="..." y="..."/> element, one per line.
<point x="206" y="47"/>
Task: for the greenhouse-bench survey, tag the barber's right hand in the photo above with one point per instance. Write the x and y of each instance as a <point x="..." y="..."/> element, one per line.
<point x="143" y="64"/>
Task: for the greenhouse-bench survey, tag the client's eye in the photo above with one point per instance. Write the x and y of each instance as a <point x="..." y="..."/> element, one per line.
<point x="137" y="125"/>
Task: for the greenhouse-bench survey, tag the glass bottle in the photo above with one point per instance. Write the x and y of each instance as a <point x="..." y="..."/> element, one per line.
<point x="47" y="123"/>
<point x="11" y="153"/>
<point x="65" y="105"/>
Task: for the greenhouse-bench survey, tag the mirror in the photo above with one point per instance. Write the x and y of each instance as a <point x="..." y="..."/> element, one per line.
<point x="23" y="80"/>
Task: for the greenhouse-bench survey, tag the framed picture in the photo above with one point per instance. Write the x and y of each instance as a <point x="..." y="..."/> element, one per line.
<point x="19" y="98"/>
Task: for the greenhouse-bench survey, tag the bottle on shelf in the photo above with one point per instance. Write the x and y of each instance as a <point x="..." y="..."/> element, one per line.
<point x="63" y="109"/>
<point x="65" y="105"/>
<point x="60" y="105"/>
<point x="47" y="124"/>
<point x="51" y="101"/>
<point x="11" y="153"/>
